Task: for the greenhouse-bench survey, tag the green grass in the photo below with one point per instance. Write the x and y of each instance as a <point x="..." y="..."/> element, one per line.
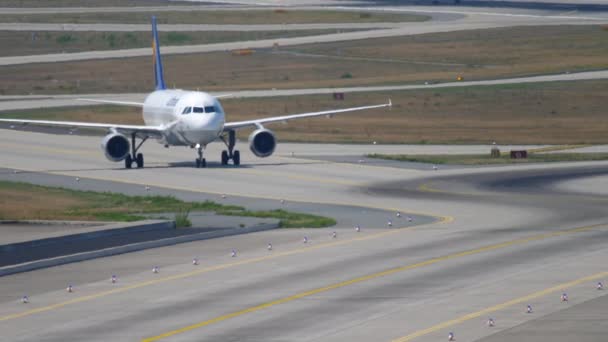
<point x="181" y="219"/>
<point x="174" y="38"/>
<point x="65" y="39"/>
<point x="486" y="159"/>
<point x="286" y="219"/>
<point x="27" y="201"/>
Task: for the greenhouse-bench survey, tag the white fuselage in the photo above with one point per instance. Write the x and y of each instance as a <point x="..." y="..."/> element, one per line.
<point x="190" y="117"/>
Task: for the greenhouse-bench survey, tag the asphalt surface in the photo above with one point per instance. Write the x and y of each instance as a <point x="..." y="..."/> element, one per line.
<point x="496" y="244"/>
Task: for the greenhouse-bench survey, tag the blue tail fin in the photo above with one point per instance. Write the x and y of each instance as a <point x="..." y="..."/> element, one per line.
<point x="158" y="64"/>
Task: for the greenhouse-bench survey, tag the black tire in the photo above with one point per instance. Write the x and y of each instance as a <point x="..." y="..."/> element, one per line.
<point x="236" y="158"/>
<point x="128" y="161"/>
<point x="198" y="163"/>
<point x="224" y="157"/>
<point x="204" y="163"/>
<point x="140" y="160"/>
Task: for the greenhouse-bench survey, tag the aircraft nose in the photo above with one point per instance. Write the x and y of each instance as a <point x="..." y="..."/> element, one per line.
<point x="196" y="123"/>
<point x="202" y="129"/>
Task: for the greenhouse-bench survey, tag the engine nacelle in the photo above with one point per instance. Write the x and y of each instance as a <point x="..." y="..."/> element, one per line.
<point x="262" y="142"/>
<point x="115" y="146"/>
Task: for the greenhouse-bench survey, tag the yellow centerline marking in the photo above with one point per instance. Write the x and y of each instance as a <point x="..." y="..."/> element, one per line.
<point x="497" y="307"/>
<point x="209" y="269"/>
<point x="427" y="187"/>
<point x="368" y="277"/>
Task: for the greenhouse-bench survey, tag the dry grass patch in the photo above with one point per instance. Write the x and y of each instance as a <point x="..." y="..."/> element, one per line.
<point x="548" y="113"/>
<point x="511" y="46"/>
<point x="21" y="202"/>
<point x="477" y="54"/>
<point x="543" y="113"/>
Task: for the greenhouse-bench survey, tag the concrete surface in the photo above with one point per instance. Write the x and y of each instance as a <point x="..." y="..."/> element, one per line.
<point x="497" y="243"/>
<point x="582" y="322"/>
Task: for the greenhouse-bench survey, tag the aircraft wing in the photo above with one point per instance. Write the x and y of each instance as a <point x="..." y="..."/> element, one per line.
<point x="258" y="122"/>
<point x="134" y="104"/>
<point x="126" y="129"/>
<point x="120" y="103"/>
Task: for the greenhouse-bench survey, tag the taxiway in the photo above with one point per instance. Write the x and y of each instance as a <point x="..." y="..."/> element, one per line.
<point x="492" y="251"/>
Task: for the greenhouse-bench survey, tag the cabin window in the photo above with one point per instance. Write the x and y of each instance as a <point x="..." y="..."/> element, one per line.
<point x="209" y="109"/>
<point x="187" y="110"/>
<point x="197" y="110"/>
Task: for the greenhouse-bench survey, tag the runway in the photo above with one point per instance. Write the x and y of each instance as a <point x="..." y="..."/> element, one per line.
<point x="493" y="251"/>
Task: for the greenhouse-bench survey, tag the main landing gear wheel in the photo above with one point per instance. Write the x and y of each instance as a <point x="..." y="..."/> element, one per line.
<point x="224" y="157"/>
<point x="139" y="160"/>
<point x="201" y="162"/>
<point x="231" y="154"/>
<point x="236" y="158"/>
<point x="134" y="157"/>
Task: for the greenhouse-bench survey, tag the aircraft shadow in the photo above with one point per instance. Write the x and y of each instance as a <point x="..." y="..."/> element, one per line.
<point x="173" y="165"/>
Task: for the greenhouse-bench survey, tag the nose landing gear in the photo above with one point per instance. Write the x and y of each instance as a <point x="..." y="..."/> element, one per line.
<point x="230" y="153"/>
<point x="200" y="161"/>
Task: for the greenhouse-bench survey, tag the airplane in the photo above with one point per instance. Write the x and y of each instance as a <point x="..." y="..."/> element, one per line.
<point x="182" y="118"/>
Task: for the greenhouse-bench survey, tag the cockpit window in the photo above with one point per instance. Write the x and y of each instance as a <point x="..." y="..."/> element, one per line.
<point x="209" y="109"/>
<point x="197" y="110"/>
<point x="187" y="110"/>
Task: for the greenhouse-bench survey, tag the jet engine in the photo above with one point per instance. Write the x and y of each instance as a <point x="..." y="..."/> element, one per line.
<point x="115" y="146"/>
<point x="262" y="142"/>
